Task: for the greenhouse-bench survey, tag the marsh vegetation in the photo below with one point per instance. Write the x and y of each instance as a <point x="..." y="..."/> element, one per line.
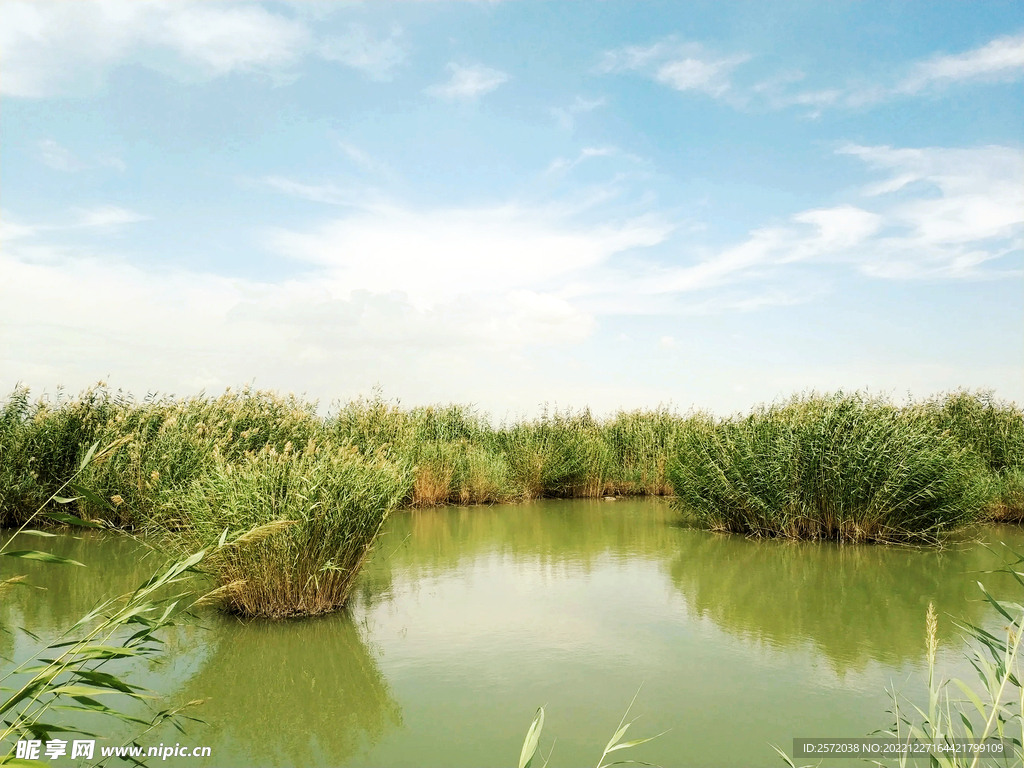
<point x="294" y="501"/>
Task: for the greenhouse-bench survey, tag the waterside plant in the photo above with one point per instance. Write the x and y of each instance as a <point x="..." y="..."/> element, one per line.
<point x="198" y="471"/>
<point x="837" y="467"/>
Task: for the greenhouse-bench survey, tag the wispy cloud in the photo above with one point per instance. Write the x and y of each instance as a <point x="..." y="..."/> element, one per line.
<point x="60" y="158"/>
<point x="710" y="75"/>
<point x="328" y="193"/>
<point x="561" y="165"/>
<point x="107" y="216"/>
<point x="681" y="66"/>
<point x="938" y="214"/>
<point x="691" y="67"/>
<point x="566" y="116"/>
<point x="52" y="49"/>
<point x="376" y="56"/>
<point x="467" y="82"/>
<point x="418" y="252"/>
<point x="949" y="211"/>
<point x="1000" y="59"/>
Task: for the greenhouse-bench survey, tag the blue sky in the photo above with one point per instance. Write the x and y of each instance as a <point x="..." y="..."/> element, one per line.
<point x="611" y="205"/>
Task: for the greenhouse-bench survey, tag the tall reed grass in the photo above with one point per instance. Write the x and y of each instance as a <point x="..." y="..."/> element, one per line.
<point x="294" y="526"/>
<point x="839" y="467"/>
<point x="994" y="429"/>
<point x="844" y="467"/>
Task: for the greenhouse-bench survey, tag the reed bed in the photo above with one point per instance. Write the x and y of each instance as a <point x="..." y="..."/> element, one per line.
<point x="837" y="467"/>
<point x="843" y="467"/>
<point x="292" y="527"/>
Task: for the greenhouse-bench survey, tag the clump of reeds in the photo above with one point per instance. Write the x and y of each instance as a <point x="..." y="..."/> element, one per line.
<point x="293" y="526"/>
<point x="561" y="454"/>
<point x="840" y="467"/>
<point x="994" y="429"/>
<point x="639" y="444"/>
<point x="42" y="444"/>
<point x="172" y="442"/>
<point x="836" y="467"/>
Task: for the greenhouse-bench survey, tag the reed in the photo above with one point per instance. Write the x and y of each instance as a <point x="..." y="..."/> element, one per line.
<point x="993" y="429"/>
<point x="293" y="526"/>
<point x="843" y="467"/>
<point x="839" y="467"/>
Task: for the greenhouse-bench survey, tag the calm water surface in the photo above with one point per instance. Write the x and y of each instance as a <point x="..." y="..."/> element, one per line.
<point x="468" y="619"/>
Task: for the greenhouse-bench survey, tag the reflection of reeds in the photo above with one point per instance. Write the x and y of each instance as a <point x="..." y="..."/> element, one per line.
<point x="291" y="694"/>
<point x="839" y="598"/>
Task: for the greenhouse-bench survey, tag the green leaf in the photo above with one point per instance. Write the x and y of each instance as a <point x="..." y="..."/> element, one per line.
<point x="19" y="762"/>
<point x="970" y="694"/>
<point x="25" y="692"/>
<point x="91" y="496"/>
<point x="532" y="739"/>
<point x="65" y="499"/>
<point x="74" y="690"/>
<point x="628" y="744"/>
<point x="995" y="603"/>
<point x="64" y="517"/>
<point x="45" y="557"/>
<point x="88" y="456"/>
<point x="618" y="735"/>
<point x="106" y="680"/>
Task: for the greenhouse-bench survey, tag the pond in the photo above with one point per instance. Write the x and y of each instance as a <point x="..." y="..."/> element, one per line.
<point x="468" y="619"/>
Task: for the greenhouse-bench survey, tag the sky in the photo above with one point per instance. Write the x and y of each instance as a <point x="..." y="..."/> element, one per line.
<point x="611" y="205"/>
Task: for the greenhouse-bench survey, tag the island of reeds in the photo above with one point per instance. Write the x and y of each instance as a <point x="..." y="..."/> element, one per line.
<point x="289" y="503"/>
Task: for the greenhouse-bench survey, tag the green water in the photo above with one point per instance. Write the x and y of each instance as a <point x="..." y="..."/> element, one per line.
<point x="467" y="619"/>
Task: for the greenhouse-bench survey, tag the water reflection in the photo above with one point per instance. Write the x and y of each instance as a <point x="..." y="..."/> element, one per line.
<point x="574" y="533"/>
<point x="478" y="613"/>
<point x="58" y="595"/>
<point x="852" y="603"/>
<point x="290" y="693"/>
<point x="277" y="693"/>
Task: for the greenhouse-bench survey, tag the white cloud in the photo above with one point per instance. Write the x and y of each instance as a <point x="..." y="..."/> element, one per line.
<point x="339" y="323"/>
<point x="1002" y="58"/>
<point x="62" y="47"/>
<point x="57" y="157"/>
<point x="949" y="211"/>
<point x="635" y="57"/>
<point x="566" y="116"/>
<point x="561" y="165"/>
<point x="403" y="295"/>
<point x="435" y="256"/>
<point x="107" y="216"/>
<point x="468" y="82"/>
<point x="693" y="74"/>
<point x="60" y="158"/>
<point x="12" y="230"/>
<point x="690" y="67"/>
<point x="330" y="193"/>
<point x="682" y="66"/>
<point x="357" y="156"/>
<point x="55" y="48"/>
<point x="377" y="57"/>
<point x="227" y="38"/>
<point x="939" y="214"/>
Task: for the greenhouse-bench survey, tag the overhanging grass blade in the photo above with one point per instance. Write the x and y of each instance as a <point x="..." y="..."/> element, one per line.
<point x="532" y="739"/>
<point x="45" y="557"/>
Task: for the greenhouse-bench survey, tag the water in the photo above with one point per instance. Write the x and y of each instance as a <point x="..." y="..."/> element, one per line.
<point x="468" y="619"/>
